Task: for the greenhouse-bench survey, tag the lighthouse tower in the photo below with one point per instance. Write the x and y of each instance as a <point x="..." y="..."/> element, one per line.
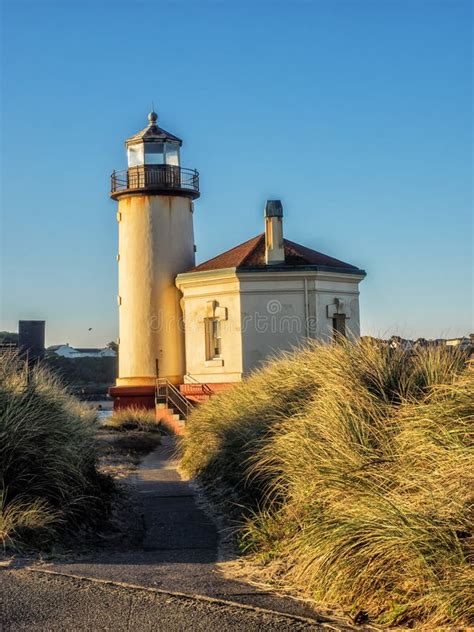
<point x="156" y="242"/>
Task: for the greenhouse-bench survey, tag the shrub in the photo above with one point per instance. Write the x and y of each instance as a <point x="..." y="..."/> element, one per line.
<point x="48" y="476"/>
<point x="363" y="492"/>
<point x="133" y="419"/>
<point x="84" y="374"/>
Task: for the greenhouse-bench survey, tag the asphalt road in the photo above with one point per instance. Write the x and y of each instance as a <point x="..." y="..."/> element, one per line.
<point x="36" y="602"/>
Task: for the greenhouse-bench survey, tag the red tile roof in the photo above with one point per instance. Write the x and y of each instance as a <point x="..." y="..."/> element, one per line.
<point x="251" y="254"/>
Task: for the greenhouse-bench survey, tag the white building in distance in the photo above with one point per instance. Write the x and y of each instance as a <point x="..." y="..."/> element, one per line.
<point x="66" y="351"/>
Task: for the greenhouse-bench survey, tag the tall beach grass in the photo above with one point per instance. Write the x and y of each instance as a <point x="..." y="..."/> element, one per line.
<point x="133" y="418"/>
<point x="352" y="466"/>
<point x="49" y="482"/>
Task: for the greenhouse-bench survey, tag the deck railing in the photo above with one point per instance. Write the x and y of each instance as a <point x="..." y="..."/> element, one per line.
<point x="168" y="394"/>
<point x="199" y="388"/>
<point x="155" y="177"/>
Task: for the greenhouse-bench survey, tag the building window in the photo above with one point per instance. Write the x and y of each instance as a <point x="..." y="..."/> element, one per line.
<point x="338" y="326"/>
<point x="213" y="338"/>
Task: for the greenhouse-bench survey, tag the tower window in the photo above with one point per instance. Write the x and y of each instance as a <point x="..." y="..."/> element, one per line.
<point x="154" y="154"/>
<point x="135" y="155"/>
<point x="213" y="338"/>
<point x="172" y="154"/>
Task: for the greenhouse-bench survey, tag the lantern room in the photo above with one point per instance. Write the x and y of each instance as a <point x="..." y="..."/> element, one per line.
<point x="154" y="165"/>
<point x="153" y="146"/>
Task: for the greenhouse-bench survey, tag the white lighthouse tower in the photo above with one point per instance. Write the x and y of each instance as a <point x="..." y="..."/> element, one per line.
<point x="156" y="242"/>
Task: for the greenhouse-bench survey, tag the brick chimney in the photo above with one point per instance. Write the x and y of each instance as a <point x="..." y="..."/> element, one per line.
<point x="274" y="249"/>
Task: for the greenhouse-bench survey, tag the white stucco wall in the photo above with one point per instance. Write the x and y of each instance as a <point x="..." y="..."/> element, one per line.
<point x="273" y="315"/>
<point x="156" y="242"/>
<point x="267" y="312"/>
<point x="281" y="310"/>
<point x="202" y="293"/>
<point x="329" y="287"/>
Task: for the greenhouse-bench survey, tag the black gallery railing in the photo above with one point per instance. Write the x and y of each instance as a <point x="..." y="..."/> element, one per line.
<point x="155" y="176"/>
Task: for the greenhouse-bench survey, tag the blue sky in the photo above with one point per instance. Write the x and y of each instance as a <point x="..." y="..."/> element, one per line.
<point x="357" y="114"/>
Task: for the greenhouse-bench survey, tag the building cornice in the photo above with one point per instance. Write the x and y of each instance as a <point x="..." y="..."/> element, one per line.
<point x="207" y="277"/>
<point x="303" y="269"/>
<point x="301" y="273"/>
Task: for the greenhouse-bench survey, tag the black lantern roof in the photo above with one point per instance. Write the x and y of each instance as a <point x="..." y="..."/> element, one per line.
<point x="153" y="133"/>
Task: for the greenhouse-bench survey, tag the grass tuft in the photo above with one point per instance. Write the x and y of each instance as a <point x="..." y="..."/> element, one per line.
<point x="133" y="419"/>
<point x="352" y="466"/>
<point x="48" y="477"/>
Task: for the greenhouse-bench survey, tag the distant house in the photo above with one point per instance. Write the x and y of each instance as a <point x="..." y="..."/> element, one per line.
<point x="66" y="351"/>
<point x="396" y="342"/>
<point x="466" y="342"/>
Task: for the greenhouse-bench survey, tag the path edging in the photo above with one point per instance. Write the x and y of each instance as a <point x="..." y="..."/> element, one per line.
<point x="189" y="596"/>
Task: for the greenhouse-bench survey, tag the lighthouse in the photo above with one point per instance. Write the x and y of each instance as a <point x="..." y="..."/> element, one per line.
<point x="155" y="197"/>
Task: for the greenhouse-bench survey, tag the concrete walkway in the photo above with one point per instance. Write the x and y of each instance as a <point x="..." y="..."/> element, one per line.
<point x="179" y="549"/>
<point x="180" y="545"/>
<point x="174" y="524"/>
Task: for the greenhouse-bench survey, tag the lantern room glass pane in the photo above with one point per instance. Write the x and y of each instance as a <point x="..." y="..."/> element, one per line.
<point x="154" y="154"/>
<point x="172" y="154"/>
<point x="135" y="155"/>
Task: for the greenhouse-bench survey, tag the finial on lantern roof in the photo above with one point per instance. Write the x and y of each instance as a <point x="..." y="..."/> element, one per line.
<point x="152" y="132"/>
<point x="152" y="117"/>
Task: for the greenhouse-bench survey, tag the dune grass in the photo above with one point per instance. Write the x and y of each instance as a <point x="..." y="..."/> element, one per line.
<point x="133" y="419"/>
<point x="352" y="466"/>
<point x="49" y="484"/>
